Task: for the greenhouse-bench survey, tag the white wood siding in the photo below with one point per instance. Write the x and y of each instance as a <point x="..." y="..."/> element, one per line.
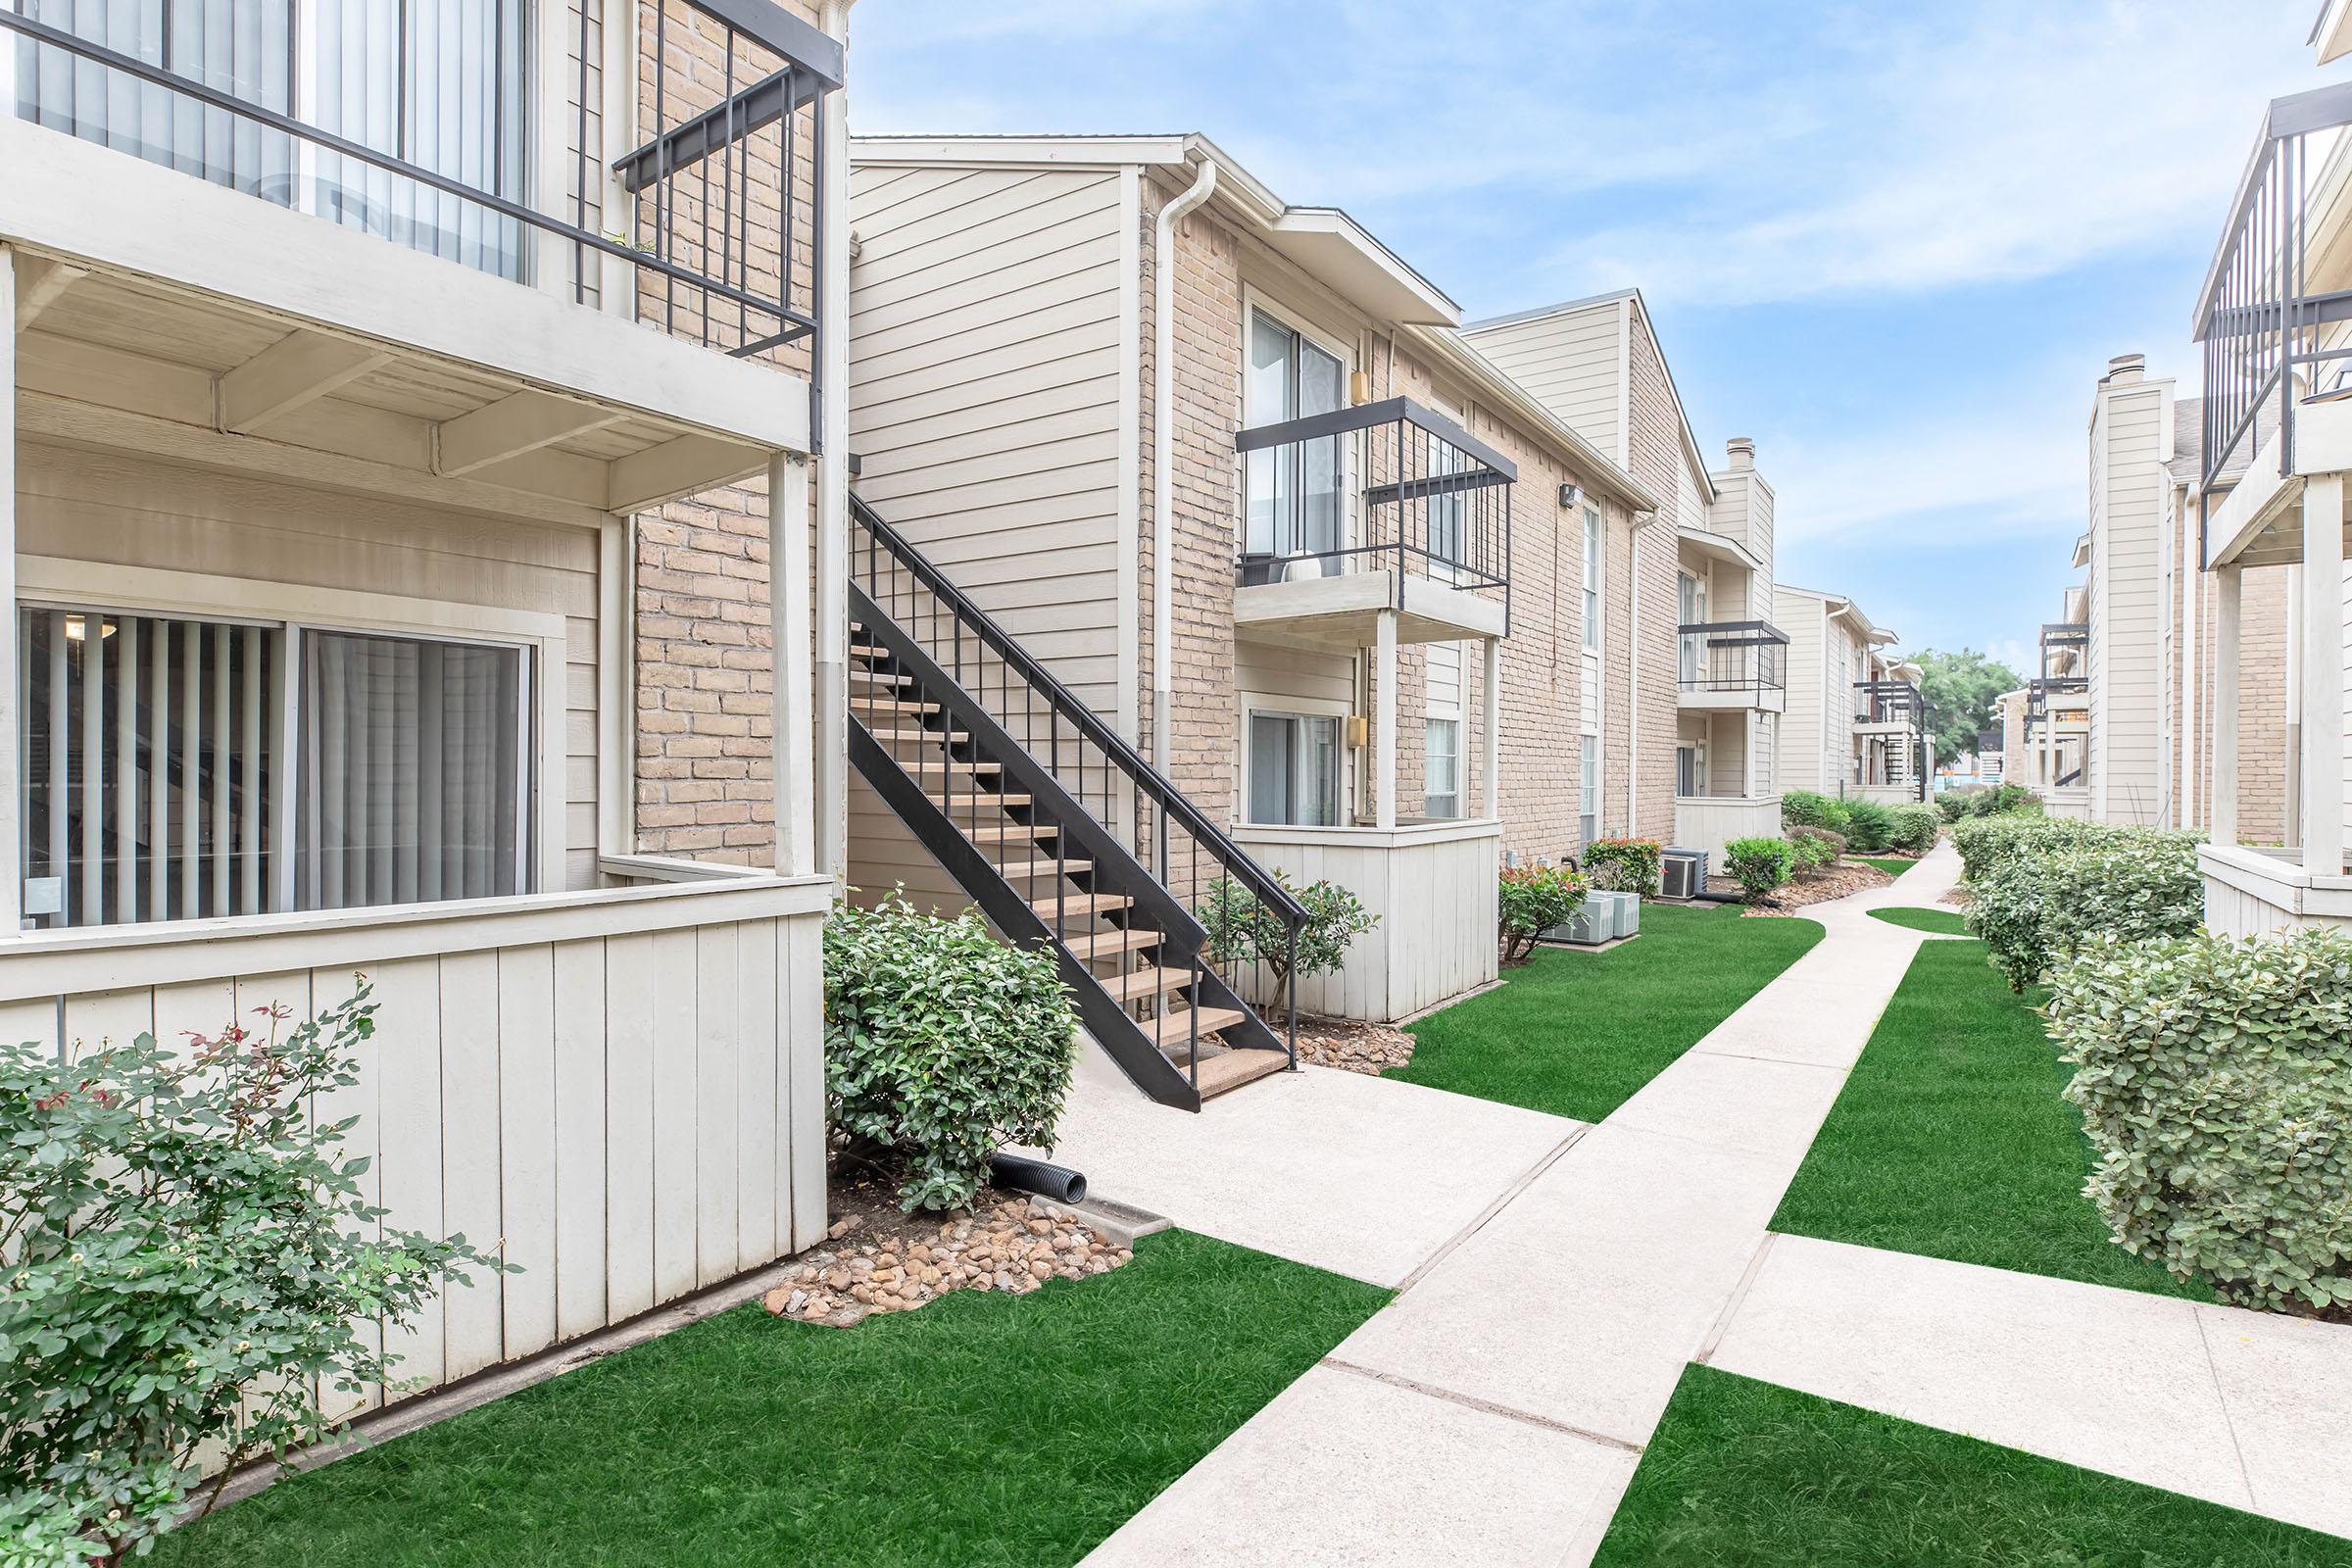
<point x="1799" y="615"/>
<point x="1570" y="362"/>
<point x="2128" y="613"/>
<point x="120" y="510"/>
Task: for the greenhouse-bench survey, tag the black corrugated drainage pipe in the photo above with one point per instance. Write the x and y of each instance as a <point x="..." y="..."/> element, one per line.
<point x="1057" y="1183"/>
<point x="1709" y="896"/>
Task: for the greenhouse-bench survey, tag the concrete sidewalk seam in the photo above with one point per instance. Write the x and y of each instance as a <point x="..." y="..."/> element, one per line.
<point x="2221" y="1397"/>
<point x="1731" y="1308"/>
<point x="1471" y="1401"/>
<point x="1527" y="1179"/>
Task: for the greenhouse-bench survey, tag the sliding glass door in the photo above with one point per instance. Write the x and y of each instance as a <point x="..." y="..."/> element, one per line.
<point x="1294" y="490"/>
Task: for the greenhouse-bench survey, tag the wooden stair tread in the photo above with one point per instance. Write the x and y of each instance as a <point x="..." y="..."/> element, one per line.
<point x="1096" y="944"/>
<point x="1138" y="984"/>
<point x="964" y="769"/>
<point x="863" y="707"/>
<point x="1224" y="1073"/>
<point x="1172" y="1030"/>
<point x="1042" y="865"/>
<point x="1073" y="904"/>
<point x="905" y="732"/>
<point x="875" y="678"/>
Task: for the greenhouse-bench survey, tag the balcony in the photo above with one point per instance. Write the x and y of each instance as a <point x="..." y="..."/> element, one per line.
<point x="2064" y="645"/>
<point x="1728" y="665"/>
<point x="1888" y="707"/>
<point x="1384" y="509"/>
<point x="405" y="249"/>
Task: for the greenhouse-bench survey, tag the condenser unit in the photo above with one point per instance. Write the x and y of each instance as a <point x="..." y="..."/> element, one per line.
<point x="1683" y="873"/>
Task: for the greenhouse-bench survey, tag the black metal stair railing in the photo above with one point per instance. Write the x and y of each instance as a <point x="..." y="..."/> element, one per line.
<point x="1014" y="781"/>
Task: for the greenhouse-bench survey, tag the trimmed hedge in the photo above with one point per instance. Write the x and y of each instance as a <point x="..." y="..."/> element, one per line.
<point x="1916" y="828"/>
<point x="1807" y="808"/>
<point x="2034" y="906"/>
<point x="1759" y="864"/>
<point x="1798" y="833"/>
<point x="1624" y="866"/>
<point x="941" y="1044"/>
<point x="2215" y="1079"/>
<point x="1873" y="827"/>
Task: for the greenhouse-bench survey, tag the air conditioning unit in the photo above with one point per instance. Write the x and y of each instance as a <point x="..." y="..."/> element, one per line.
<point x="1683" y="873"/>
<point x="1592" y="923"/>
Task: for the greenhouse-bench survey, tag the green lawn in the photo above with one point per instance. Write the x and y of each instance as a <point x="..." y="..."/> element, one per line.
<point x="1577" y="1033"/>
<point x="1746" y="1473"/>
<point x="982" y="1429"/>
<point x="1944" y="922"/>
<point x="1893" y="865"/>
<point x="1951" y="1139"/>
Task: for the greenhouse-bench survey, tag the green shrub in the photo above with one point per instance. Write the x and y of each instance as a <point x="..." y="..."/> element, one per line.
<point x="1953" y="804"/>
<point x="1916" y="828"/>
<point x="1759" y="864"/>
<point x="941" y="1044"/>
<point x="2035" y="909"/>
<point x="2215" y="1079"/>
<point x="1873" y="826"/>
<point x="1242" y="930"/>
<point x="1624" y="866"/>
<point x="1805" y="809"/>
<point x="1531" y="900"/>
<point x="1798" y="833"/>
<point x="189" y="1260"/>
<point x="1813" y="853"/>
<point x="2003" y="799"/>
<point x="1984" y="841"/>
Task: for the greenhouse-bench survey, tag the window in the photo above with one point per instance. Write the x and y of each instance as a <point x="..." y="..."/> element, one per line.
<point x="1294" y="490"/>
<point x="183" y="768"/>
<point x="1592" y="545"/>
<point x="436" y="82"/>
<point x="1442" y="768"/>
<point x="1689" y="769"/>
<point x="1688" y="605"/>
<point x="1588" y="823"/>
<point x="1294" y="769"/>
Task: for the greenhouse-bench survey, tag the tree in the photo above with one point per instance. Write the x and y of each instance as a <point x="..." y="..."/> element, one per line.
<point x="1960" y="689"/>
<point x="1242" y="930"/>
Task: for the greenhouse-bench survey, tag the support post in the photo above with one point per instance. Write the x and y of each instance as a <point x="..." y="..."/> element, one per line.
<point x="789" y="615"/>
<point x="12" y="866"/>
<point x="1492" y="809"/>
<point x="2229" y="596"/>
<point x="833" y="486"/>
<point x="2323" y="674"/>
<point x="1383" y="719"/>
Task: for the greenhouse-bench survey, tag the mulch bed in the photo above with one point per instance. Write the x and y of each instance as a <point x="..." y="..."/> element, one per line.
<point x="876" y="1258"/>
<point x="1842" y="880"/>
<point x="1370" y="1049"/>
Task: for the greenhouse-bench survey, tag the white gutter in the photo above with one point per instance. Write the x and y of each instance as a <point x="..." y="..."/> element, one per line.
<point x="1163" y="480"/>
<point x="833" y="479"/>
<point x="1633" y="676"/>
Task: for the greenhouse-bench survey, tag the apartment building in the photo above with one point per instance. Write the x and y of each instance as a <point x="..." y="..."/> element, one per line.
<point x="1856" y="722"/>
<point x="1368" y="645"/>
<point x="2273" y="455"/>
<point x="2122" y="557"/>
<point x="1701" y="698"/>
<point x="331" y="400"/>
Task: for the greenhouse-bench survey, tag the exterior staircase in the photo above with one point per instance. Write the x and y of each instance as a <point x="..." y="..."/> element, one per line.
<point x="1062" y="833"/>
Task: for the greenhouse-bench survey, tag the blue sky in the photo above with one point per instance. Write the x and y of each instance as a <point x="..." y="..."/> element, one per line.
<point x="1895" y="243"/>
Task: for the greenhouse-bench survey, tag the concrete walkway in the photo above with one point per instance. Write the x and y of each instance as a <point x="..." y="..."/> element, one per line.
<point x="1496" y="1409"/>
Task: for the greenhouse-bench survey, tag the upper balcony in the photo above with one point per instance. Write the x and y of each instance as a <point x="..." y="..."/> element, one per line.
<point x="1888" y="707"/>
<point x="1732" y="665"/>
<point x="2064" y="645"/>
<point x="2273" y="325"/>
<point x="1384" y="507"/>
<point x="415" y="239"/>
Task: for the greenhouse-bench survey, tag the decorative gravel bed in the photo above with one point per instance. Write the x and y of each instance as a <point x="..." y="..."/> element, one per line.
<point x="1370" y="1049"/>
<point x="1815" y="887"/>
<point x="877" y="1259"/>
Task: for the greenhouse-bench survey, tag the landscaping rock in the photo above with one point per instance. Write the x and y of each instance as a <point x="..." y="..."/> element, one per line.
<point x="1370" y="1049"/>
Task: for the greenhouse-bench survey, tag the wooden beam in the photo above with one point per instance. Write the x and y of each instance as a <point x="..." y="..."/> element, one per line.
<point x="522" y="423"/>
<point x="679" y="468"/>
<point x="40" y="283"/>
<point x="297" y="369"/>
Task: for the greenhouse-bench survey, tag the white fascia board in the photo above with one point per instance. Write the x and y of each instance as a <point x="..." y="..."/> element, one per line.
<point x="1063" y="152"/>
<point x="1721" y="547"/>
<point x="2331" y="35"/>
<point x="72" y="198"/>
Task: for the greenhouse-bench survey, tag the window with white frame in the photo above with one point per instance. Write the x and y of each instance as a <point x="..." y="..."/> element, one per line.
<point x="437" y="83"/>
<point x="1294" y="769"/>
<point x="1587" y="820"/>
<point x="1689" y="769"/>
<point x="181" y="767"/>
<point x="1592" y="548"/>
<point x="1442" y="768"/>
<point x="1295" y="489"/>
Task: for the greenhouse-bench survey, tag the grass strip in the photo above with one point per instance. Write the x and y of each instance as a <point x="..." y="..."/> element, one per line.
<point x="1765" y="1477"/>
<point x="1577" y="1034"/>
<point x="1944" y="922"/>
<point x="1893" y="865"/>
<point x="984" y="1429"/>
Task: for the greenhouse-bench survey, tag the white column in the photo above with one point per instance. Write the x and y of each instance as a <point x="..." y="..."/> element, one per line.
<point x="2323" y="674"/>
<point x="1492" y="810"/>
<point x="1747" y="753"/>
<point x="2229" y="594"/>
<point x="12" y="864"/>
<point x="833" y="487"/>
<point x="789" y="617"/>
<point x="1384" y="719"/>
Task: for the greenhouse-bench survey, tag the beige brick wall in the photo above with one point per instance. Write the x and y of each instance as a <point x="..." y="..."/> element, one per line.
<point x="704" y="720"/>
<point x="2265" y="742"/>
<point x="1655" y="460"/>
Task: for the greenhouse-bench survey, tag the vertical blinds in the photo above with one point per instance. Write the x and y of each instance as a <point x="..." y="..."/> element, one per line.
<point x="436" y="82"/>
<point x="177" y="768"/>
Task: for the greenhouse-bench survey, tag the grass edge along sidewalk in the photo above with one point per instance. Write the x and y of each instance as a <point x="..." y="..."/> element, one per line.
<point x="984" y="1429"/>
<point x="1751" y="1473"/>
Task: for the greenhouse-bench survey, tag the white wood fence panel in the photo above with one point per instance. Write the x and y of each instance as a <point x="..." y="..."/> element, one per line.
<point x="580" y="1067"/>
<point x="714" y="1131"/>
<point x="526" y="1144"/>
<point x="471" y="1203"/>
<point x="629" y="1124"/>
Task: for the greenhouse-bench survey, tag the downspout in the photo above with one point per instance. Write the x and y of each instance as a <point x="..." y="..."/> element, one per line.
<point x="1633" y="674"/>
<point x="1163" y="479"/>
<point x="833" y="474"/>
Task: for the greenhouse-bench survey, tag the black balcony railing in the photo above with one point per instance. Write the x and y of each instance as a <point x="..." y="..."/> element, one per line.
<point x="2259" y="319"/>
<point x="1388" y="484"/>
<point x="1889" y="702"/>
<point x="1733" y="655"/>
<point x="422" y="130"/>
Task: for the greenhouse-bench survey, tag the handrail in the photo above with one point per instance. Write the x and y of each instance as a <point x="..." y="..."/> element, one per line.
<point x="1370" y="416"/>
<point x="1172" y="802"/>
<point x="1765" y="632"/>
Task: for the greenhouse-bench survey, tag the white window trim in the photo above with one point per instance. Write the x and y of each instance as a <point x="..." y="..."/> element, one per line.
<point x="1455" y="795"/>
<point x="1253" y="704"/>
<point x="70" y="584"/>
<point x="1256" y="299"/>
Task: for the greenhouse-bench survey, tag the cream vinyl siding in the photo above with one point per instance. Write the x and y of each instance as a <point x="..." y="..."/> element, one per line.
<point x="1800" y="749"/>
<point x="2126" y="608"/>
<point x="984" y="387"/>
<point x="1568" y="362"/>
<point x="1292" y="681"/>
<point x="127" y="511"/>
